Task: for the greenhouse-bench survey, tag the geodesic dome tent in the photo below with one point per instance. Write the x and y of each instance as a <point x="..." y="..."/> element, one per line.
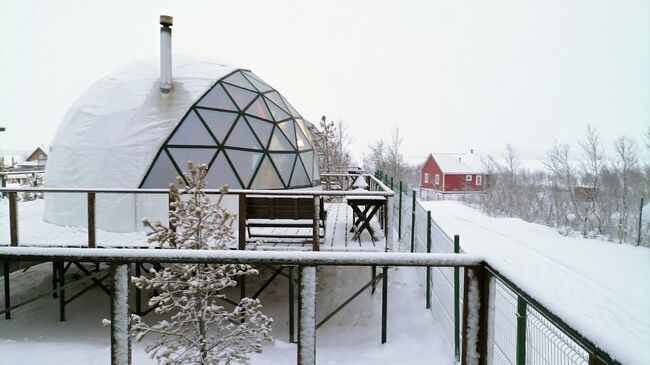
<point x="248" y="135"/>
<point x="124" y="133"/>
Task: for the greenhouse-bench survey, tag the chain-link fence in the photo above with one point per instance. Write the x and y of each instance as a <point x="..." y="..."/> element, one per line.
<point x="521" y="335"/>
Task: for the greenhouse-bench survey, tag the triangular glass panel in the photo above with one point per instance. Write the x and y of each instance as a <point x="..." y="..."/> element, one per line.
<point x="291" y="108"/>
<point x="162" y="173"/>
<point x="278" y="114"/>
<point x="241" y="96"/>
<point x="267" y="177"/>
<point x="284" y="163"/>
<point x="299" y="178"/>
<point x="308" y="161"/>
<point x="218" y="122"/>
<point x="259" y="84"/>
<point x="316" y="175"/>
<point x="275" y="97"/>
<point x="217" y="98"/>
<point x="192" y="132"/>
<point x="279" y="142"/>
<point x="239" y="80"/>
<point x="262" y="129"/>
<point x="242" y="136"/>
<point x="221" y="173"/>
<point x="245" y="163"/>
<point x="289" y="130"/>
<point x="303" y="142"/>
<point x="259" y="109"/>
<point x="198" y="156"/>
<point x="305" y="130"/>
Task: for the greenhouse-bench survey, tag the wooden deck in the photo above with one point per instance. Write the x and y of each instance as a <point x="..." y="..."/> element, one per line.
<point x="34" y="232"/>
<point x="337" y="234"/>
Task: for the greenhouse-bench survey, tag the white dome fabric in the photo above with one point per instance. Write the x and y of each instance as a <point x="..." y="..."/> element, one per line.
<point x="110" y="136"/>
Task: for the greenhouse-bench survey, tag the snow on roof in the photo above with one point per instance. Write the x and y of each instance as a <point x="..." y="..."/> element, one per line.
<point x="458" y="163"/>
<point x="111" y="134"/>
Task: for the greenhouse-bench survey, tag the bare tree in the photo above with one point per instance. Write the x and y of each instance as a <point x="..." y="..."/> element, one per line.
<point x="558" y="162"/>
<point x="625" y="163"/>
<point x="394" y="155"/>
<point x="592" y="163"/>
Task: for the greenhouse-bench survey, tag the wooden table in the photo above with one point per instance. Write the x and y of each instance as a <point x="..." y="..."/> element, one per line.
<point x="364" y="208"/>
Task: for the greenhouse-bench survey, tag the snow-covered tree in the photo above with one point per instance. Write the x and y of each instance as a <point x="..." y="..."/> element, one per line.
<point x="200" y="330"/>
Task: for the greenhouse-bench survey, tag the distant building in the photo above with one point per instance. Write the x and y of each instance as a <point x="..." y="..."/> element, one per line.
<point x="34" y="161"/>
<point x="453" y="173"/>
<point x="38" y="155"/>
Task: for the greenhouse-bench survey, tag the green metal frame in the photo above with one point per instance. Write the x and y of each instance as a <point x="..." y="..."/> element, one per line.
<point x="428" y="291"/>
<point x="457" y="302"/>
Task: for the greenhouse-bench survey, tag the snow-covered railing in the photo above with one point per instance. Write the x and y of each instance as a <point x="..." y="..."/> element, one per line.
<point x="478" y="279"/>
<point x="5" y="175"/>
<point x="523" y="332"/>
<point x="376" y="188"/>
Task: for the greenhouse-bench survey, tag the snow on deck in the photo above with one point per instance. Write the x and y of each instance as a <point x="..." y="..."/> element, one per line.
<point x="33" y="231"/>
<point x="601" y="289"/>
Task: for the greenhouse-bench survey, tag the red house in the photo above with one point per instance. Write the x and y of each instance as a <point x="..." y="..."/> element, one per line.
<point x="453" y="173"/>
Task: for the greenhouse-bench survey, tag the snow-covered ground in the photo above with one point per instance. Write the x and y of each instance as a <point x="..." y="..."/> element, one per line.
<point x="35" y="335"/>
<point x="599" y="288"/>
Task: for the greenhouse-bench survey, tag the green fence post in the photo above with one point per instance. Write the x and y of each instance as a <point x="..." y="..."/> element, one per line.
<point x="391" y="183"/>
<point x="457" y="302"/>
<point x="638" y="237"/>
<point x="428" y="251"/>
<point x="413" y="224"/>
<point x="521" y="331"/>
<point x="399" y="217"/>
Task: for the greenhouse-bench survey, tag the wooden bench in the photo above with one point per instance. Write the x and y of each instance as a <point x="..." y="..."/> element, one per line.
<point x="281" y="212"/>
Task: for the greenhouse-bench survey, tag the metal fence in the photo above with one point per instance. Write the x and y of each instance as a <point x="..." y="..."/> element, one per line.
<point x="521" y="333"/>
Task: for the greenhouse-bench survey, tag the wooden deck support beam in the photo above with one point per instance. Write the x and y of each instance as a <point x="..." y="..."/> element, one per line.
<point x="307" y="319"/>
<point x="92" y="243"/>
<point x="5" y="269"/>
<point x="120" y="316"/>
<point x="476" y="316"/>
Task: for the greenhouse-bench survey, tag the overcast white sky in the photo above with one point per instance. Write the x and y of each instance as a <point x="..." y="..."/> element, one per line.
<point x="452" y="75"/>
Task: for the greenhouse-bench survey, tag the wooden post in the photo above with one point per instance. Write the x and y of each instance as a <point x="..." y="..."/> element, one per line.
<point x="3" y="183"/>
<point x="242" y="221"/>
<point x="5" y="269"/>
<point x="91" y="220"/>
<point x="291" y="306"/>
<point x="315" y="244"/>
<point x="476" y="316"/>
<point x="384" y="304"/>
<point x="61" y="277"/>
<point x="388" y="231"/>
<point x="120" y="316"/>
<point x="138" y="291"/>
<point x="171" y="200"/>
<point x="593" y="360"/>
<point x="13" y="218"/>
<point x="307" y="320"/>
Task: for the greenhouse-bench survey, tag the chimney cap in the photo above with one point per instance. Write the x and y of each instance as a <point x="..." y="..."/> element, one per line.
<point x="166" y="20"/>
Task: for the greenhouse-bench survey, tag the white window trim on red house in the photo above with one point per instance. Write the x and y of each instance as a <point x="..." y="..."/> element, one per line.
<point x="479" y="180"/>
<point x="436" y="179"/>
<point x="426" y="177"/>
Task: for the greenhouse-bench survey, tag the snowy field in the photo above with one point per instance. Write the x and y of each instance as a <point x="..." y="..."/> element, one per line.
<point x="35" y="335"/>
<point x="600" y="288"/>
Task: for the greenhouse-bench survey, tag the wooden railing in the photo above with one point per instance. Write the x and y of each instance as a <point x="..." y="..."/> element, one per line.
<point x="376" y="188"/>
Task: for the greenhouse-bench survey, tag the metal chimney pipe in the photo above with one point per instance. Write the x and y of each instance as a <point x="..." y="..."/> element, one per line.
<point x="166" y="22"/>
